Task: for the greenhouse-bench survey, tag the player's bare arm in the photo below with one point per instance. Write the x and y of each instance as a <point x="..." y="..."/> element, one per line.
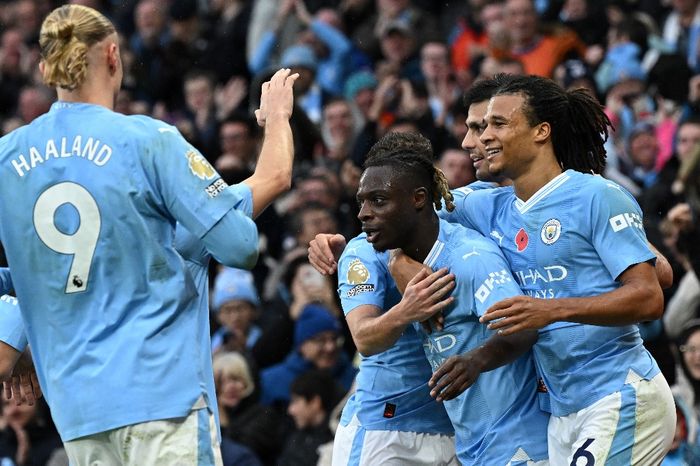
<point x="324" y="252"/>
<point x="273" y="171"/>
<point x="664" y="272"/>
<point x="374" y="332"/>
<point x="460" y="372"/>
<point x="638" y="299"/>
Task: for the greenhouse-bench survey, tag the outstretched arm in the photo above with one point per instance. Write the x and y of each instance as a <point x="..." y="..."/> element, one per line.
<point x="273" y="172"/>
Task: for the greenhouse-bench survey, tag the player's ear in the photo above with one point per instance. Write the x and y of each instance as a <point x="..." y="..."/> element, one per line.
<point x="542" y="132"/>
<point x="420" y="198"/>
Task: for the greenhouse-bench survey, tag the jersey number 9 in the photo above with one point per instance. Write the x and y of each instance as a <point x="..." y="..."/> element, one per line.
<point x="81" y="244"/>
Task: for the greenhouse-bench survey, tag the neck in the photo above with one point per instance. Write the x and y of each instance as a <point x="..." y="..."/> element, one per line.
<point x="424" y="236"/>
<point x="525" y="43"/>
<point x="537" y="175"/>
<point x="88" y="93"/>
<point x="84" y="96"/>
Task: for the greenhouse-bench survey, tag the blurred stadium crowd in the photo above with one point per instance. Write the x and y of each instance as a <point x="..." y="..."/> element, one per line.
<point x="283" y="356"/>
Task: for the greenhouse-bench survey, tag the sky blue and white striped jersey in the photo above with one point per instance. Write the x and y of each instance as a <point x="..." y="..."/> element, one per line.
<point x="572" y="238"/>
<point x="392" y="387"/>
<point x="88" y="206"/>
<point x="498" y="418"/>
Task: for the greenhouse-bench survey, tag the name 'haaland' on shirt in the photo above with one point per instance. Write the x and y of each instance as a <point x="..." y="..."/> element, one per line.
<point x="92" y="149"/>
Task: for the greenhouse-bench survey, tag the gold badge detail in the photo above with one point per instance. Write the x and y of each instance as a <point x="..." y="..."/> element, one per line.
<point x="357" y="272"/>
<point x="199" y="165"/>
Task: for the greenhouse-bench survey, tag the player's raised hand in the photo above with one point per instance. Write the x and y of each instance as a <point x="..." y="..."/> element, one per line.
<point x="455" y="375"/>
<point x="402" y="268"/>
<point x="519" y="313"/>
<point x="324" y="252"/>
<point x="427" y="294"/>
<point x="277" y="98"/>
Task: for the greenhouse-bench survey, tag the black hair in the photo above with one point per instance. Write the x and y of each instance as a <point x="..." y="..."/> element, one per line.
<point x="412" y="154"/>
<point x="244" y="119"/>
<point x="578" y="121"/>
<point x="316" y="382"/>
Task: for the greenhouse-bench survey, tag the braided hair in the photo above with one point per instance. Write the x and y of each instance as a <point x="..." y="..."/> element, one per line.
<point x="578" y="121"/>
<point x="412" y="154"/>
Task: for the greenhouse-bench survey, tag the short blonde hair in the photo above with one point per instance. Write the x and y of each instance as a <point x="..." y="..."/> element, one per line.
<point x="232" y="364"/>
<point x="66" y="35"/>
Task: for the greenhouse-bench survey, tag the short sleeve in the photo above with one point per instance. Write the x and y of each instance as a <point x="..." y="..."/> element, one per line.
<point x="11" y="324"/>
<point x="361" y="276"/>
<point x="617" y="231"/>
<point x="185" y="182"/>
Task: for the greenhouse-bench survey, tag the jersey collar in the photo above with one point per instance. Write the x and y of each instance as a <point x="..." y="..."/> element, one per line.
<point x="541" y="193"/>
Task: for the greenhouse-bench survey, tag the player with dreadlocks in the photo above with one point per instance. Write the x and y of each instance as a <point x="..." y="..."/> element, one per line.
<point x="576" y="244"/>
<point x="497" y="420"/>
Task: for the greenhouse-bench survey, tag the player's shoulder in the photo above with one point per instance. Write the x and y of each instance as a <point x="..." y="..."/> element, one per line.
<point x="148" y="126"/>
<point x="359" y="247"/>
<point x="593" y="186"/>
<point x="466" y="243"/>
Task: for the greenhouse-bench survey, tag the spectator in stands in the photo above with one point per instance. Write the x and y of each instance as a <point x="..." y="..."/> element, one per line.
<point x="539" y="52"/>
<point x="243" y="419"/>
<point x="316" y="345"/>
<point x="235" y="302"/>
<point x="457" y="166"/>
<point x="313" y="397"/>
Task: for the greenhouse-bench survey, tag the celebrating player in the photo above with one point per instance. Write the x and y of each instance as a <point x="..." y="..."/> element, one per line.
<point x="116" y="310"/>
<point x="575" y="243"/>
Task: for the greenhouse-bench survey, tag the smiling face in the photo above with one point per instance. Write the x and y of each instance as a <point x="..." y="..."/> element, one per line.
<point x="510" y="143"/>
<point x="386" y="209"/>
<point x="471" y="143"/>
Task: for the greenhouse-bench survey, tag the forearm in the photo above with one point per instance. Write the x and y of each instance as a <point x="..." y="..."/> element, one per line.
<point x="233" y="241"/>
<point x="664" y="272"/>
<point x="373" y="335"/>
<point x="629" y="304"/>
<point x="273" y="172"/>
<point x="499" y="351"/>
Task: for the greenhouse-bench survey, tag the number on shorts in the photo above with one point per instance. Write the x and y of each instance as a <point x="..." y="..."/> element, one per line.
<point x="583" y="453"/>
<point x="81" y="244"/>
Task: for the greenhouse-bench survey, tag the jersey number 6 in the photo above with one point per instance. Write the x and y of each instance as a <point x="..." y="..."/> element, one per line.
<point x="81" y="244"/>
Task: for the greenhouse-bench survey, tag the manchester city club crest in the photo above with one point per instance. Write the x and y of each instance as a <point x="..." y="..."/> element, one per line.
<point x="550" y="231"/>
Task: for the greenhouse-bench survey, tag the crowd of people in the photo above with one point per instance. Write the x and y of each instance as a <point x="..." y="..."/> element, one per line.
<point x="285" y="359"/>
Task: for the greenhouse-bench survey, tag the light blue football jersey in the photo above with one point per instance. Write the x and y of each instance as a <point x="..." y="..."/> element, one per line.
<point x="88" y="206"/>
<point x="573" y="238"/>
<point x="499" y="415"/>
<point x="197" y="260"/>
<point x="11" y="325"/>
<point x="392" y="386"/>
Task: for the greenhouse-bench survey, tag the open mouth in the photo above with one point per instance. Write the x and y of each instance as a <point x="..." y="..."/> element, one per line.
<point x="371" y="234"/>
<point x="492" y="152"/>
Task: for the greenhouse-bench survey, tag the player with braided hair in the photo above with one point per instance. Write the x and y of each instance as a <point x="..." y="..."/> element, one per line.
<point x="576" y="244"/>
<point x="497" y="419"/>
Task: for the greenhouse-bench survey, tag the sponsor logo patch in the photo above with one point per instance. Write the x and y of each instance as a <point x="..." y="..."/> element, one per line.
<point x="359" y="289"/>
<point x="551" y="230"/>
<point x="622" y="221"/>
<point x="199" y="166"/>
<point x="216" y="188"/>
<point x="495" y="278"/>
<point x="357" y="272"/>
